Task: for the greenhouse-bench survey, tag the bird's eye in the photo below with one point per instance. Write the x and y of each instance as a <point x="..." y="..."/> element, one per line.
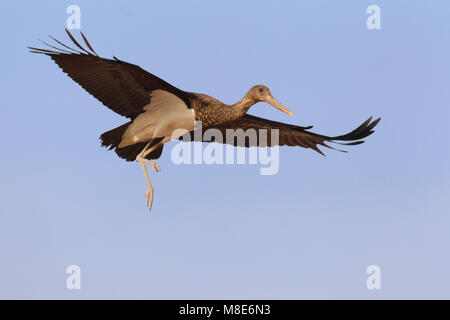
<point x="261" y="90"/>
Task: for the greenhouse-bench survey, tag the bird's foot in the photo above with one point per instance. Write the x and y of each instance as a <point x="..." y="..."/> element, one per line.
<point x="149" y="198"/>
<point x="155" y="166"/>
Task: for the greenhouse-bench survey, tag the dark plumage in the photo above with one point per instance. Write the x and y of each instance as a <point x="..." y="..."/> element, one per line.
<point x="289" y="135"/>
<point x="156" y="108"/>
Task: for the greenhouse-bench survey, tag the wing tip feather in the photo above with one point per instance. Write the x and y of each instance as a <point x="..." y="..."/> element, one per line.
<point x="61" y="51"/>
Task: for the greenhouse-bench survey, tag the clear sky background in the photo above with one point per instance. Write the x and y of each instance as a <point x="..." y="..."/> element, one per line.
<point x="225" y="231"/>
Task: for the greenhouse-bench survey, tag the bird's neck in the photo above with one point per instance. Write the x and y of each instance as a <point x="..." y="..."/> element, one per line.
<point x="241" y="107"/>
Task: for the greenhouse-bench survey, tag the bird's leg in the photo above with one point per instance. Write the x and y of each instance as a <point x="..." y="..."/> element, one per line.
<point x="149" y="191"/>
<point x="155" y="167"/>
<point x="141" y="156"/>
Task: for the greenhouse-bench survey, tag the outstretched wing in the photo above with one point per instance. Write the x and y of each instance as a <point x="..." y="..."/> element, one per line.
<point x="123" y="87"/>
<point x="289" y="135"/>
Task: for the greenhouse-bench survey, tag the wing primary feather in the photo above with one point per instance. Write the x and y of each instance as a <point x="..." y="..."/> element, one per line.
<point x="42" y="51"/>
<point x="65" y="46"/>
<point x="349" y="143"/>
<point x="56" y="48"/>
<point x="76" y="42"/>
<point x="88" y="44"/>
<point x="34" y="51"/>
<point x="355" y="133"/>
<point x="316" y="148"/>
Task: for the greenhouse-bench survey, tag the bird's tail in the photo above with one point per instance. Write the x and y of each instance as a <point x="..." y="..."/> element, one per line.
<point x="111" y="140"/>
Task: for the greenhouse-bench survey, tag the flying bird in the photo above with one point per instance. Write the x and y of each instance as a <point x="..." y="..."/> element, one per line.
<point x="156" y="109"/>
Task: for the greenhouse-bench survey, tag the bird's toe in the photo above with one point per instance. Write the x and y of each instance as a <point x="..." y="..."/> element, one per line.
<point x="149" y="198"/>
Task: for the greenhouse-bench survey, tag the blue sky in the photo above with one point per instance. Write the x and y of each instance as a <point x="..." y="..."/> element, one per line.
<point x="309" y="231"/>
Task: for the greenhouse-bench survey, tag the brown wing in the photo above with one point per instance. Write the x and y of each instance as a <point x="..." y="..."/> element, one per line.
<point x="289" y="135"/>
<point x="123" y="87"/>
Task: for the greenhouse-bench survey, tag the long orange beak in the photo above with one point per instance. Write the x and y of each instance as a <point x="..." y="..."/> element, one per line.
<point x="278" y="105"/>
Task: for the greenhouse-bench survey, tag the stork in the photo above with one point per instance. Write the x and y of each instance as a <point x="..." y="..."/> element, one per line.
<point x="157" y="109"/>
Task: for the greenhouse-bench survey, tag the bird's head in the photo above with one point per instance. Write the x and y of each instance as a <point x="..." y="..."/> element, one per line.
<point x="261" y="93"/>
